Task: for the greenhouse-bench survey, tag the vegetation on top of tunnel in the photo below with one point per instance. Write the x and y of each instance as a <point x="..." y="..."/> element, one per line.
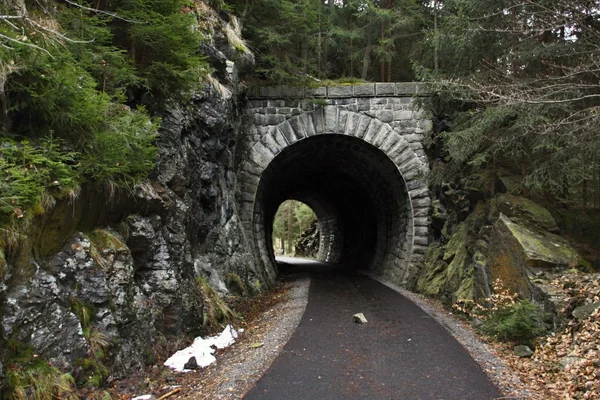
<point x="347" y="40"/>
<point x="291" y="220"/>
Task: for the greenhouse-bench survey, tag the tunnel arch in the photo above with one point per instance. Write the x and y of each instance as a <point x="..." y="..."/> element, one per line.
<point x="355" y="154"/>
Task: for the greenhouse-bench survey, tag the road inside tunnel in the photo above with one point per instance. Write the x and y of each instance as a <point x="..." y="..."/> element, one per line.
<point x="400" y="353"/>
<point x="357" y="193"/>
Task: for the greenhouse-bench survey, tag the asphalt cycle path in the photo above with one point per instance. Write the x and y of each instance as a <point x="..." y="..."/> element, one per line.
<point x="400" y="353"/>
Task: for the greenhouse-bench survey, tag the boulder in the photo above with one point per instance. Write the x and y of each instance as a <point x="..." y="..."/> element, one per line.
<point x="523" y="351"/>
<point x="516" y="251"/>
<point x="526" y="212"/>
<point x="583" y="312"/>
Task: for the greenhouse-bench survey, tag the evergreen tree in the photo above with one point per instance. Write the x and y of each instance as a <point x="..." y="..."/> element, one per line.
<point x="520" y="81"/>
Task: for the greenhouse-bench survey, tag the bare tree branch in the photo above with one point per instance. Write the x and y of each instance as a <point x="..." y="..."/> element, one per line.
<point x="95" y="10"/>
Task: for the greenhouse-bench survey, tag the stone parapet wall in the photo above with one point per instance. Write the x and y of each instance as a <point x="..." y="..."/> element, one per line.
<point x="360" y="90"/>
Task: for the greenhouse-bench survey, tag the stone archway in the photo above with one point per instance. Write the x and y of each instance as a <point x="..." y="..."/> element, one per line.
<point x="371" y="155"/>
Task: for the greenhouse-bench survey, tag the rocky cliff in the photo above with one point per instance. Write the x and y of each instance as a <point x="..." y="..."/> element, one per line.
<point x="106" y="278"/>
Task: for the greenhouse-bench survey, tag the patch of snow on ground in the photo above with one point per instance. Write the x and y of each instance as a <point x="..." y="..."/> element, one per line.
<point x="203" y="350"/>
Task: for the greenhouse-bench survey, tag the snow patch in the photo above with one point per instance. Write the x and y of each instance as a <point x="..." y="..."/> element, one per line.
<point x="203" y="350"/>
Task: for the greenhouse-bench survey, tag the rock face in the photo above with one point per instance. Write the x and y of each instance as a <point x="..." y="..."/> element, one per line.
<point x="308" y="243"/>
<point x="480" y="238"/>
<point x="132" y="286"/>
<point x="454" y="270"/>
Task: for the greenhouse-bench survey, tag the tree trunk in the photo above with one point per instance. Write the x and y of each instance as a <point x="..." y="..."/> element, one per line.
<point x="367" y="58"/>
<point x="289" y="227"/>
<point x="436" y="44"/>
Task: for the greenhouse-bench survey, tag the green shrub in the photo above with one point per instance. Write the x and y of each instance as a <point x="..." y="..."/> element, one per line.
<point x="519" y="322"/>
<point x="29" y="170"/>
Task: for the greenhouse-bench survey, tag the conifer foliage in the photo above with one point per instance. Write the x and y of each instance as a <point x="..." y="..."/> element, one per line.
<point x="520" y="81"/>
<point x="300" y="41"/>
<point x="81" y="87"/>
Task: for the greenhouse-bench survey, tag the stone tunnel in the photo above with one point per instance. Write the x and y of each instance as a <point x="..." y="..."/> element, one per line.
<point x="354" y="154"/>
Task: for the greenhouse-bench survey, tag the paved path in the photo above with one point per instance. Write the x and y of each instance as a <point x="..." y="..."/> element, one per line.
<point x="401" y="353"/>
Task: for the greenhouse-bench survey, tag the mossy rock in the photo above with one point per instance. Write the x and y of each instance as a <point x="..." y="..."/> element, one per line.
<point x="542" y="249"/>
<point x="516" y="250"/>
<point x="447" y="273"/>
<point x="525" y="211"/>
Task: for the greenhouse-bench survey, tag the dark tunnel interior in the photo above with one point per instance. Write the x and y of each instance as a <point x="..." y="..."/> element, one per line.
<point x="356" y="192"/>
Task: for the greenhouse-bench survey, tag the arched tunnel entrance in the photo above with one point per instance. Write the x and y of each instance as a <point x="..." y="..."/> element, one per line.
<point x="362" y="177"/>
<point x="356" y="191"/>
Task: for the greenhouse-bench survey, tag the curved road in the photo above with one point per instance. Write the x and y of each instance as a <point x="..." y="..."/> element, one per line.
<point x="401" y="353"/>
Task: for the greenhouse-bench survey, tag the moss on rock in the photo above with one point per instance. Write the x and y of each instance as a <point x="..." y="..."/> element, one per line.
<point x="525" y="211"/>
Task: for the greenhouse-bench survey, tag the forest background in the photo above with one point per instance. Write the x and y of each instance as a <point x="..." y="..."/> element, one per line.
<point x="515" y="85"/>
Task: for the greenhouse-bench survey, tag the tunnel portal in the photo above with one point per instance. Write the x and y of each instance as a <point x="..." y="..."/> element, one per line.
<point x="358" y="162"/>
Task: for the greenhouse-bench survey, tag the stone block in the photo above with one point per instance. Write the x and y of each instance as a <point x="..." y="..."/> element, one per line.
<point x="423" y="221"/>
<point x="352" y="124"/>
<point x="390" y="141"/>
<point x="280" y="138"/>
<point x="319" y="92"/>
<point x="261" y="155"/>
<point x="318" y="120"/>
<point x="383" y="134"/>
<point x="408" y="89"/>
<point x="423" y="89"/>
<point x="411" y="138"/>
<point x="340" y="91"/>
<point x="308" y="124"/>
<point x="331" y="117"/>
<point x="424" y="202"/>
<point x="398" y="148"/>
<point x="292" y="92"/>
<point x="418" y="193"/>
<point x="271" y="144"/>
<point x="403" y="115"/>
<point x="270" y="92"/>
<point x="415" y="173"/>
<point x="288" y="132"/>
<point x="284" y="110"/>
<point x="385" y="115"/>
<point x="342" y="121"/>
<point x="385" y="89"/>
<point x="364" y="90"/>
<point x="298" y="126"/>
<point x="421" y="240"/>
<point x="421" y="231"/>
<point x="406" y="155"/>
<point x="419" y="249"/>
<point x="373" y="130"/>
<point x="378" y="101"/>
<point x="363" y="125"/>
<point x="275" y="103"/>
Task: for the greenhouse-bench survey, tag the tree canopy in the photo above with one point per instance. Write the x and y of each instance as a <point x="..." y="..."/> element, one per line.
<point x="519" y="80"/>
<point x="302" y="40"/>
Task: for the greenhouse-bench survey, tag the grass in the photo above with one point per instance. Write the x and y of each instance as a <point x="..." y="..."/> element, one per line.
<point x="235" y="284"/>
<point x="101" y="240"/>
<point x="29" y="377"/>
<point x="216" y="312"/>
<point x="95" y="371"/>
<point x="3" y="265"/>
